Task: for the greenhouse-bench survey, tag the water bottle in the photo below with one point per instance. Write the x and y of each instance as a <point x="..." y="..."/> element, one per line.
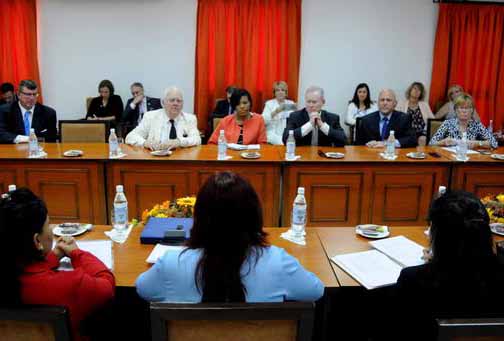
<point x="113" y="144"/>
<point x="33" y="149"/>
<point x="12" y="188"/>
<point x="222" y="146"/>
<point x="298" y="220"/>
<point x="120" y="210"/>
<point x="291" y="147"/>
<point x="390" y="146"/>
<point x="441" y="190"/>
<point x="490" y="127"/>
<point x="462" y="148"/>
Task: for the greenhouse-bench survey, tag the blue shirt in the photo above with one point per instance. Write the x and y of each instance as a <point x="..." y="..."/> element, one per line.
<point x="276" y="277"/>
<point x="397" y="143"/>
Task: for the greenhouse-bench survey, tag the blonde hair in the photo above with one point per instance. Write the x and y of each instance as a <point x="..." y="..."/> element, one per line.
<point x="451" y="88"/>
<point x="282" y="84"/>
<point x="463" y="99"/>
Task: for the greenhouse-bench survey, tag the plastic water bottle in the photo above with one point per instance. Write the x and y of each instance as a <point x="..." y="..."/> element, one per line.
<point x="12" y="188"/>
<point x="390" y="146"/>
<point x="291" y="147"/>
<point x="298" y="220"/>
<point x="490" y="127"/>
<point x="113" y="144"/>
<point x="462" y="148"/>
<point x="222" y="146"/>
<point x="120" y="210"/>
<point x="33" y="148"/>
<point x="441" y="190"/>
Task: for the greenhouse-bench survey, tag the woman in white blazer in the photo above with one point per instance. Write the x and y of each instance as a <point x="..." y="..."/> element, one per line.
<point x="276" y="111"/>
<point x="360" y="105"/>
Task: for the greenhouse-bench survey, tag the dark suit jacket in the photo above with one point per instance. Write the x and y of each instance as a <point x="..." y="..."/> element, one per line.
<point x="12" y="124"/>
<point x="131" y="116"/>
<point x="114" y="107"/>
<point x="368" y="129"/>
<point x="297" y="119"/>
<point x="221" y="109"/>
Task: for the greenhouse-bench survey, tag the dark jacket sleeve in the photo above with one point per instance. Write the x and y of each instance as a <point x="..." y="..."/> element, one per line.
<point x="336" y="133"/>
<point x="293" y="123"/>
<point x="128" y="113"/>
<point x="406" y="135"/>
<point x="93" y="107"/>
<point x="116" y="107"/>
<point x="52" y="132"/>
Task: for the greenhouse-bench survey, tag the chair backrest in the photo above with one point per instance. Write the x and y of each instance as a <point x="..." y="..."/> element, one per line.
<point x="88" y="102"/>
<point x="433" y="125"/>
<point x="35" y="323"/>
<point x="83" y="131"/>
<point x="356" y="128"/>
<point x="251" y="321"/>
<point x="215" y="122"/>
<point x="481" y="329"/>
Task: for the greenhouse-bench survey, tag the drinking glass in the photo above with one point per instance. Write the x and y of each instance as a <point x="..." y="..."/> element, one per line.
<point x="41" y="144"/>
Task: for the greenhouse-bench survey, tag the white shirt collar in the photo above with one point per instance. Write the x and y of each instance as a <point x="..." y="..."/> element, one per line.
<point x="23" y="109"/>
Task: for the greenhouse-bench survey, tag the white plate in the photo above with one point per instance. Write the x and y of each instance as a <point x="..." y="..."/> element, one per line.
<point x="73" y="153"/>
<point x="416" y="155"/>
<point x="58" y="230"/>
<point x="497" y="156"/>
<point x="497" y="228"/>
<point x="378" y="235"/>
<point x="335" y="155"/>
<point x="164" y="152"/>
<point x="250" y="155"/>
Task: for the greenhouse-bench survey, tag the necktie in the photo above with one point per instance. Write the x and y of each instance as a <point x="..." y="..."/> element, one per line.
<point x="173" y="131"/>
<point x="314" y="137"/>
<point x="384" y="131"/>
<point x="27" y="123"/>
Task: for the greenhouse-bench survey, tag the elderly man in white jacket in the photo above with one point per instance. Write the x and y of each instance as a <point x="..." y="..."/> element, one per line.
<point x="167" y="127"/>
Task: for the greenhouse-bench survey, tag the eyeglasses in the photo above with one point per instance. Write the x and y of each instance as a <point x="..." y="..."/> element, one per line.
<point x="29" y="94"/>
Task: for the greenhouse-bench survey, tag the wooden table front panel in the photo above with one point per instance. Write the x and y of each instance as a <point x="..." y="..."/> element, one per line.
<point x="72" y="190"/>
<point x="147" y="183"/>
<point x="480" y="179"/>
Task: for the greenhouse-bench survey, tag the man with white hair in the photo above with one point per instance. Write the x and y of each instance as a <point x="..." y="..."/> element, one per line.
<point x="168" y="127"/>
<point x="314" y="126"/>
<point x="374" y="129"/>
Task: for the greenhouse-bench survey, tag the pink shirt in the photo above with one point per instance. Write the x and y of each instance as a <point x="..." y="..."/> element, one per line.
<point x="254" y="130"/>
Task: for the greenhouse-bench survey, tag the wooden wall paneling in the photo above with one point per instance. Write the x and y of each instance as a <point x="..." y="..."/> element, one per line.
<point x="72" y="191"/>
<point x="478" y="178"/>
<point x="8" y="176"/>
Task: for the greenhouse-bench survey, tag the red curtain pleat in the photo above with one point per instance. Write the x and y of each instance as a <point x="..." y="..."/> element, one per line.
<point x="469" y="50"/>
<point x="18" y="41"/>
<point x="247" y="43"/>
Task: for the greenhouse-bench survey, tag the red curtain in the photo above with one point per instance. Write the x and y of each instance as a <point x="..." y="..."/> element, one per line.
<point x="469" y="50"/>
<point x="247" y="43"/>
<point x="18" y="41"/>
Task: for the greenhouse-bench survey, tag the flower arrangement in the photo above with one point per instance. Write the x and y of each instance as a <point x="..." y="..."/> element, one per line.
<point x="495" y="207"/>
<point x="180" y="208"/>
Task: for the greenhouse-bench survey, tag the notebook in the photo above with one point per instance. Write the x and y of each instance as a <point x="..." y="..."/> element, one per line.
<point x="102" y="249"/>
<point x="381" y="266"/>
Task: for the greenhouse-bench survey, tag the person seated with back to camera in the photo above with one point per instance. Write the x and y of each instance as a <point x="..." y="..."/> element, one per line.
<point x="374" y="129"/>
<point x="227" y="257"/>
<point x="30" y="263"/>
<point x="243" y="126"/>
<point x="314" y="126"/>
<point x="168" y="127"/>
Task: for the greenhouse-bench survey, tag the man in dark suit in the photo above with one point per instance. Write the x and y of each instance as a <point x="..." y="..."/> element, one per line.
<point x="374" y="129"/>
<point x="314" y="126"/>
<point x="222" y="108"/>
<point x="7" y="95"/>
<point x="138" y="105"/>
<point x="17" y="118"/>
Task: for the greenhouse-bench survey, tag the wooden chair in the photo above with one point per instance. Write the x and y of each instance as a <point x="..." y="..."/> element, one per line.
<point x="215" y="122"/>
<point x="356" y="127"/>
<point x="83" y="131"/>
<point x="88" y="102"/>
<point x="224" y="322"/>
<point x="351" y="133"/>
<point x="35" y="323"/>
<point x="481" y="329"/>
<point x="433" y="125"/>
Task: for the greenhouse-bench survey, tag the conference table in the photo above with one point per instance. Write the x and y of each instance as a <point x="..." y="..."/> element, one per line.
<point x="362" y="187"/>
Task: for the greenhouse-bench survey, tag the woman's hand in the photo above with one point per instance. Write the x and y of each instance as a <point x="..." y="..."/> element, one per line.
<point x="66" y="244"/>
<point x="448" y="142"/>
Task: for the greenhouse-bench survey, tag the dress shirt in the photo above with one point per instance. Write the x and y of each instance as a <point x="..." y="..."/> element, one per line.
<point x="353" y="112"/>
<point x="270" y="276"/>
<point x="155" y="128"/>
<point x="382" y="122"/>
<point x="24" y="138"/>
<point x="308" y="127"/>
<point x="254" y="130"/>
<point x="275" y="125"/>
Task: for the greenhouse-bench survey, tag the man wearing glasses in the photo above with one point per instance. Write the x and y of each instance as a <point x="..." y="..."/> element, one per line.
<point x="25" y="113"/>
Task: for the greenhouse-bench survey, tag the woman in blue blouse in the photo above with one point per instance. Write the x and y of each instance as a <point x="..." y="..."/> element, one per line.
<point x="227" y="258"/>
<point x="452" y="129"/>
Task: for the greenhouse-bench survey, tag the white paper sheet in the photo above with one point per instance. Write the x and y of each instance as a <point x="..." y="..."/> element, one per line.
<point x="454" y="150"/>
<point x="159" y="250"/>
<point x="401" y="249"/>
<point x="236" y="146"/>
<point x="370" y="268"/>
<point x="102" y="249"/>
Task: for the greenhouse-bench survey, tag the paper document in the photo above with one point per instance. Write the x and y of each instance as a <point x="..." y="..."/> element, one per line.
<point x="454" y="150"/>
<point x="370" y="268"/>
<point x="236" y="146"/>
<point x="101" y="249"/>
<point x="159" y="250"/>
<point x="401" y="249"/>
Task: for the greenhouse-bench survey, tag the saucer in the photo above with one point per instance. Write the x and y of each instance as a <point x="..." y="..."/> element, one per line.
<point x="416" y="155"/>
<point x="497" y="228"/>
<point x="497" y="156"/>
<point x="73" y="153"/>
<point x="250" y="155"/>
<point x="59" y="230"/>
<point x="164" y="152"/>
<point x="368" y="231"/>
<point x="334" y="155"/>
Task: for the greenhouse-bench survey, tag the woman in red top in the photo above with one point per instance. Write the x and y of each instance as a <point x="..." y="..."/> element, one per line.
<point x="243" y="127"/>
<point x="30" y="263"/>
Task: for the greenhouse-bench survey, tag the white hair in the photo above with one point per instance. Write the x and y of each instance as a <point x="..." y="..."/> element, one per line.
<point x="389" y="91"/>
<point x="315" y="89"/>
<point x="170" y="90"/>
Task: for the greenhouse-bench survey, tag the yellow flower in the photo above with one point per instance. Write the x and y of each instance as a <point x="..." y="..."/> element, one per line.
<point x="500" y="198"/>
<point x="187" y="201"/>
<point x="161" y="215"/>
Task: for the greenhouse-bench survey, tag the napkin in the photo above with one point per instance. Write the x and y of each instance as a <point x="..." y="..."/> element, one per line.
<point x="288" y="235"/>
<point x="119" y="237"/>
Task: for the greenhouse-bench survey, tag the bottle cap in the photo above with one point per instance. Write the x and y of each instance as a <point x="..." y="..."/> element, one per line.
<point x="32" y="130"/>
<point x="301" y="190"/>
<point x="392" y="132"/>
<point x="112" y="130"/>
<point x="12" y="188"/>
<point x="291" y="132"/>
<point x="442" y="189"/>
<point x="221" y="132"/>
<point x="119" y="188"/>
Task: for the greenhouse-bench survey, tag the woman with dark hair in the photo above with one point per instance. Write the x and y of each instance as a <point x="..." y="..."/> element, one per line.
<point x="243" y="126"/>
<point x="29" y="270"/>
<point x="418" y="109"/>
<point x="227" y="258"/>
<point x="107" y="106"/>
<point x="360" y="105"/>
<point x="462" y="276"/>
